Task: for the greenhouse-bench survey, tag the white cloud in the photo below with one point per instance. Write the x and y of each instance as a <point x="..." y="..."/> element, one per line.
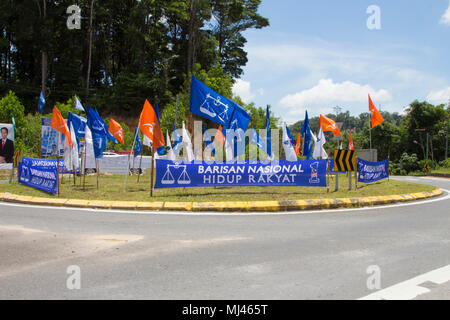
<point x="441" y="96"/>
<point x="243" y="89"/>
<point x="446" y="17"/>
<point x="327" y="92"/>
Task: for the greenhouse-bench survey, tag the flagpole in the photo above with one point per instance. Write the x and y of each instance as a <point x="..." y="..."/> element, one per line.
<point x="98" y="170"/>
<point x="151" y="172"/>
<point x="129" y="155"/>
<point x="57" y="166"/>
<point x="85" y="159"/>
<point x="140" y="166"/>
<point x="370" y="130"/>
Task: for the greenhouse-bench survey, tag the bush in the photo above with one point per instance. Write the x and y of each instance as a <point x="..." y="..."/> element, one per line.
<point x="410" y="163"/>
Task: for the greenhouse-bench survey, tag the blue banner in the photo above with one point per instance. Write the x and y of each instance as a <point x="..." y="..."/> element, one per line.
<point x="170" y="174"/>
<point x="39" y="177"/>
<point x="47" y="164"/>
<point x="373" y="171"/>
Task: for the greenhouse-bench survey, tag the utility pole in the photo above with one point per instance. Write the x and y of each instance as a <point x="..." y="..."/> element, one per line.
<point x="90" y="51"/>
<point x="446" y="136"/>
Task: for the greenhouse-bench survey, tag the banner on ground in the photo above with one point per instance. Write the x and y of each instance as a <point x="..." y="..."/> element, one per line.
<point x="39" y="177"/>
<point x="373" y="171"/>
<point x="49" y="139"/>
<point x="170" y="174"/>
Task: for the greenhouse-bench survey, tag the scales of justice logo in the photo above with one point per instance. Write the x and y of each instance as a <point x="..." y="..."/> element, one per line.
<point x="183" y="178"/>
<point x="210" y="111"/>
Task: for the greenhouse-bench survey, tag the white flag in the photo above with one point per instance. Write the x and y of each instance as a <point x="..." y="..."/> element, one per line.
<point x="288" y="147"/>
<point x="170" y="153"/>
<point x="90" y="155"/>
<point x="75" y="154"/>
<point x="78" y="105"/>
<point x="319" y="151"/>
<point x="187" y="145"/>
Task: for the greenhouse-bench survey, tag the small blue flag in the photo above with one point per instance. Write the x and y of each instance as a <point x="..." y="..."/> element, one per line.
<point x="177" y="143"/>
<point x="256" y="140"/>
<point x="97" y="127"/>
<point x="290" y="136"/>
<point x="79" y="125"/>
<point x="306" y="133"/>
<point x="108" y="134"/>
<point x="208" y="141"/>
<point x="41" y="103"/>
<point x="137" y="144"/>
<point x="160" y="150"/>
<point x="269" y="134"/>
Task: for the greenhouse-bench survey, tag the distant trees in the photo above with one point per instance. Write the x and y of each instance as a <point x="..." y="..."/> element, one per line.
<point x="141" y="48"/>
<point x="397" y="134"/>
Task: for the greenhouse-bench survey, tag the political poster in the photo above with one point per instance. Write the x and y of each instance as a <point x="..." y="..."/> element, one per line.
<point x="49" y="139"/>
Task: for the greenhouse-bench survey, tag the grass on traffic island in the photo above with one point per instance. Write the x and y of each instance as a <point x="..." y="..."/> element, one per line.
<point x="111" y="188"/>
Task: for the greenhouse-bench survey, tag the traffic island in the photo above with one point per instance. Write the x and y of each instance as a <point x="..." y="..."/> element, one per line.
<point x="224" y="206"/>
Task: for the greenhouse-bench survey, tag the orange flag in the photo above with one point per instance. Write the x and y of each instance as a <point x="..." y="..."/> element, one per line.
<point x="329" y="125"/>
<point x="298" y="145"/>
<point x="376" y="116"/>
<point x="149" y="125"/>
<point x="59" y="124"/>
<point x="116" y="130"/>
<point x="219" y="136"/>
<point x="350" y="144"/>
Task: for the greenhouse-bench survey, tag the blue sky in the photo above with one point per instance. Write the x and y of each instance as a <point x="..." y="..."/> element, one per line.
<point x="319" y="54"/>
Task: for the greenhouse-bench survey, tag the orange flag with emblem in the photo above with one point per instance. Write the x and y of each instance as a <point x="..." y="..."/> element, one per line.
<point x="59" y="124"/>
<point x="116" y="130"/>
<point x="298" y="145"/>
<point x="329" y="125"/>
<point x="350" y="144"/>
<point x="376" y="115"/>
<point x="149" y="125"/>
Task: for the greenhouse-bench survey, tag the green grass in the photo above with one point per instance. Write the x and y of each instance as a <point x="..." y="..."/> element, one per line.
<point x="441" y="170"/>
<point x="111" y="188"/>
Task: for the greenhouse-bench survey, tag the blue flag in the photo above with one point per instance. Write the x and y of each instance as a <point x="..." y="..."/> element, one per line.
<point x="138" y="144"/>
<point x="290" y="136"/>
<point x="269" y="134"/>
<point x="160" y="150"/>
<point x="78" y="123"/>
<point x="306" y="133"/>
<point x="97" y="127"/>
<point x="41" y="103"/>
<point x="208" y="141"/>
<point x="210" y="105"/>
<point x="177" y="141"/>
<point x="256" y="140"/>
<point x="108" y="134"/>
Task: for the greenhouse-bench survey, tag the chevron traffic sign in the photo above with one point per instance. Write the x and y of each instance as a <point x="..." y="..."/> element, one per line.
<point x="344" y="160"/>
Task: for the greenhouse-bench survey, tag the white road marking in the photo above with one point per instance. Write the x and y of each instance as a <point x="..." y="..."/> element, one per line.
<point x="218" y="214"/>
<point x="410" y="289"/>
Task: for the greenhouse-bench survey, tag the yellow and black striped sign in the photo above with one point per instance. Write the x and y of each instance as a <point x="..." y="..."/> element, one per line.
<point x="344" y="160"/>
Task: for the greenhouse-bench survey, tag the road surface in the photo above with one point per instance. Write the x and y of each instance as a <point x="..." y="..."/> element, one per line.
<point x="48" y="253"/>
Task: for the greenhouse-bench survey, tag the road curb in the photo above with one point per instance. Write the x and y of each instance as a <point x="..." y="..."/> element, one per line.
<point x="238" y="206"/>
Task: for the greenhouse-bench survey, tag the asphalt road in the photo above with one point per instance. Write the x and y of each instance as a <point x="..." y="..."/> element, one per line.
<point x="312" y="255"/>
